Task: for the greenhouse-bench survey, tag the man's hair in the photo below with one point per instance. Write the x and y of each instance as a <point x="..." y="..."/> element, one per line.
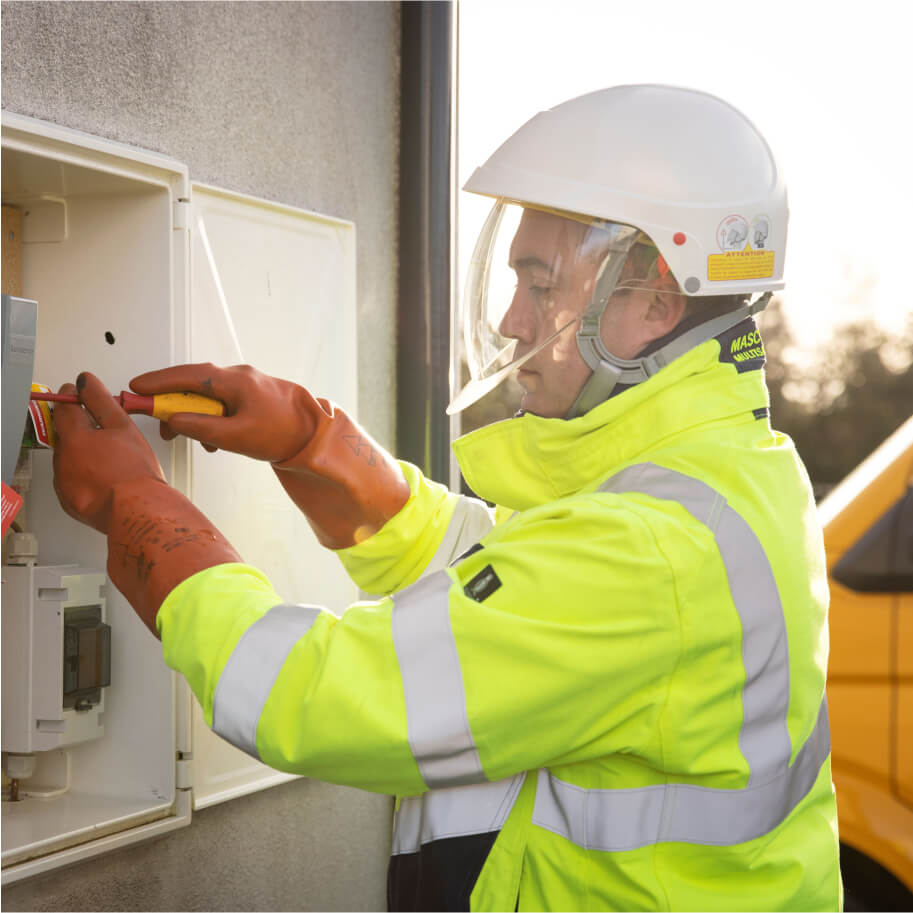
<point x="699" y="309"/>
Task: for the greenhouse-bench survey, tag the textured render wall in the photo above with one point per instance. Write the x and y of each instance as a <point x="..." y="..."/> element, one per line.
<point x="295" y="102"/>
<point x="301" y="846"/>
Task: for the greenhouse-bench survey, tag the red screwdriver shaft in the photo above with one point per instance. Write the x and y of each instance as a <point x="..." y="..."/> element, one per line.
<point x="161" y="406"/>
<point x="130" y="402"/>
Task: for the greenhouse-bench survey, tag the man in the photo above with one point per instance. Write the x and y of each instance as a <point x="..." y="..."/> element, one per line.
<point x="613" y="696"/>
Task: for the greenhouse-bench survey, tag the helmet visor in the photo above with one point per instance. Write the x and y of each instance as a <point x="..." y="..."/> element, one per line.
<point x="534" y="274"/>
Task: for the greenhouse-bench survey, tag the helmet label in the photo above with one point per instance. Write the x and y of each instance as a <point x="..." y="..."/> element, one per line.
<point x="732" y="233"/>
<point x="745" y="253"/>
<point x="740" y="264"/>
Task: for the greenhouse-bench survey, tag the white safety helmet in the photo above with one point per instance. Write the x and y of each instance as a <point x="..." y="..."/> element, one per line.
<point x="669" y="169"/>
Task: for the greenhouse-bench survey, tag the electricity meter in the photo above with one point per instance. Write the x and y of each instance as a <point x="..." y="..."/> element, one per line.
<point x="56" y="657"/>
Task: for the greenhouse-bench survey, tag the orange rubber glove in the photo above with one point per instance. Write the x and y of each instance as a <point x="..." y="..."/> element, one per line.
<point x="343" y="481"/>
<point x="106" y="476"/>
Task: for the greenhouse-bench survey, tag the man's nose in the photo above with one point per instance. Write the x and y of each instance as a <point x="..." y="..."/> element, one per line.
<point x="518" y="322"/>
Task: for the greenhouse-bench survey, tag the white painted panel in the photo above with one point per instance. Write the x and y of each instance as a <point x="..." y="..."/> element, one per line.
<point x="272" y="287"/>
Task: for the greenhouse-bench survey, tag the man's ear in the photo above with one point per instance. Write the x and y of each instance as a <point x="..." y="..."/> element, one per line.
<point x="666" y="309"/>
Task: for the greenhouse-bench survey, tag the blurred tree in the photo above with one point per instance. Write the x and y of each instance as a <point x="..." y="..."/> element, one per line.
<point x="842" y="399"/>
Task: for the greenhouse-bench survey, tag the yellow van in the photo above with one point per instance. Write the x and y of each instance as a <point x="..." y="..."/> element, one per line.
<point x="868" y="535"/>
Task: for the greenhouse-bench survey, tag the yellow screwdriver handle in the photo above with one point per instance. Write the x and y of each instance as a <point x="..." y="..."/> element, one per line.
<point x="167" y="404"/>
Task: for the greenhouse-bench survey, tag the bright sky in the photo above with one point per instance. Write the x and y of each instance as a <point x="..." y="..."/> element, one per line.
<point x="828" y="84"/>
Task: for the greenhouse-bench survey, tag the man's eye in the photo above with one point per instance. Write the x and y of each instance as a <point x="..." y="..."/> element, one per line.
<point x="541" y="290"/>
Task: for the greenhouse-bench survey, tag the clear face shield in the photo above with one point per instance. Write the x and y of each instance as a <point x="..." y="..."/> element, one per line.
<point x="536" y="277"/>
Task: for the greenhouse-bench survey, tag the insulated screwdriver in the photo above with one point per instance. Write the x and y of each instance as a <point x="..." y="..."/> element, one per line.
<point x="161" y="406"/>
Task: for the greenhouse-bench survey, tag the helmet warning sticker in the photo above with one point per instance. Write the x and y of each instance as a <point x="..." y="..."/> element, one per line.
<point x="732" y="233"/>
<point x="745" y="254"/>
<point x="740" y="264"/>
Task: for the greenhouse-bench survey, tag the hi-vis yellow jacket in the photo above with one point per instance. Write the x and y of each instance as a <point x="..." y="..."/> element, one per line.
<point x="610" y="699"/>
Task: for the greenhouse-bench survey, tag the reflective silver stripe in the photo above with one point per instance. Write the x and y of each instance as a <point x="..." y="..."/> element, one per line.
<point x="471" y="520"/>
<point x="438" y="728"/>
<point x="764" y="737"/>
<point x="252" y="670"/>
<point x="626" y="819"/>
<point x="478" y="808"/>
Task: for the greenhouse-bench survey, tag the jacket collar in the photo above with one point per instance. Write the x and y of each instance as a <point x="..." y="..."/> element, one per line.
<point x="529" y="460"/>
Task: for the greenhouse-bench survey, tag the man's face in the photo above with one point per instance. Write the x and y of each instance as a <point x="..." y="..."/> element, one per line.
<point x="556" y="275"/>
<point x="553" y="288"/>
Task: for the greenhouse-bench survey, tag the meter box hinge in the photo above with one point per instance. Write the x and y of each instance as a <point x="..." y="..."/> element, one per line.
<point x="183" y="770"/>
<point x="181" y="215"/>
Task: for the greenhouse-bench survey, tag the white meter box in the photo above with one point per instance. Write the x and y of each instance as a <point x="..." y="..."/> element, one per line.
<point x="134" y="268"/>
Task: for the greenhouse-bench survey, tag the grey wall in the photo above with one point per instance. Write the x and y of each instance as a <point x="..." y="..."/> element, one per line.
<point x="299" y="103"/>
<point x="295" y="102"/>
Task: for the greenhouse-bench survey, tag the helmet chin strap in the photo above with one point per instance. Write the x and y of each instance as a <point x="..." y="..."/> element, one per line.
<point x="609" y="370"/>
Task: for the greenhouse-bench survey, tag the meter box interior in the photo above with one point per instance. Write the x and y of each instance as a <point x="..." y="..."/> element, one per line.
<point x="135" y="267"/>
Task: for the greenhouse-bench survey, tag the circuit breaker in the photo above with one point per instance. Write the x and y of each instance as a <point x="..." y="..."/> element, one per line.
<point x="132" y="267"/>
<point x="56" y="657"/>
